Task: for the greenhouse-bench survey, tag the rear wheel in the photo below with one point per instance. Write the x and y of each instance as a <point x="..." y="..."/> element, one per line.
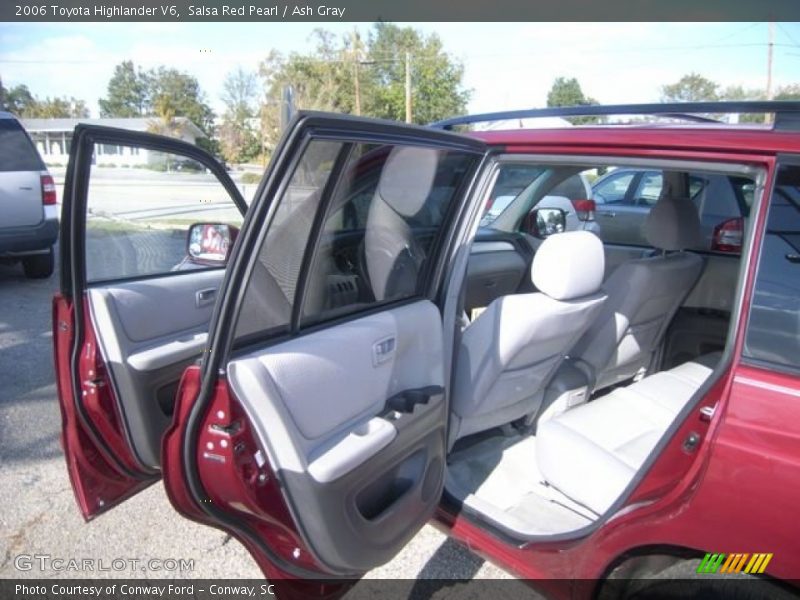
<point x="39" y="266"/>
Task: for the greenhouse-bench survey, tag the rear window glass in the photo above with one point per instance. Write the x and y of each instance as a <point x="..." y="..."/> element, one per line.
<point x="381" y="212"/>
<point x="16" y="150"/>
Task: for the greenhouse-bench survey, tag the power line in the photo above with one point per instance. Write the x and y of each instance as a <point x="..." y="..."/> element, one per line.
<point x="747" y="27"/>
<point x="788" y="35"/>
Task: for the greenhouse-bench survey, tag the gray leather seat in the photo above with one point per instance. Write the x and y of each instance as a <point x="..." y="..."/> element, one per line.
<point x="643" y="295"/>
<point x="592" y="452"/>
<point x="393" y="256"/>
<point x="509" y="353"/>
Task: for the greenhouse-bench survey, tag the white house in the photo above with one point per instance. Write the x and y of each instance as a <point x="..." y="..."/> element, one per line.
<point x="53" y="138"/>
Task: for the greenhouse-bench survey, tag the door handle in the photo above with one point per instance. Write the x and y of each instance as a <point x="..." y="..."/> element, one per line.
<point x="205" y="297"/>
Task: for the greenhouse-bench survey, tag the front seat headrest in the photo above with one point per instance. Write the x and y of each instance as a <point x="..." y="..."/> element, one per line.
<point x="569" y="265"/>
<point x="673" y="224"/>
<point x="407" y="179"/>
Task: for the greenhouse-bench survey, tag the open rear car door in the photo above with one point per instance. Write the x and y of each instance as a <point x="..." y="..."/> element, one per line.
<point x="313" y="426"/>
<point x="314" y="429"/>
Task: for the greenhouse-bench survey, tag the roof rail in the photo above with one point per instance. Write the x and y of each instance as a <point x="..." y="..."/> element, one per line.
<point x="787" y="113"/>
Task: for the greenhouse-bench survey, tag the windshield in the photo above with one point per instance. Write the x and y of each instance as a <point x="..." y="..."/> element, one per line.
<point x="511" y="182"/>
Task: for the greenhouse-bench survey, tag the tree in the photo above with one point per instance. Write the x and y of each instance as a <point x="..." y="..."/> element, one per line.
<point x="17" y="100"/>
<point x="788" y="92"/>
<point x="740" y="93"/>
<point x="127" y="92"/>
<point x="436" y="77"/>
<point x="690" y="88"/>
<point x="352" y="75"/>
<point x="56" y="108"/>
<point x="177" y="94"/>
<point x="21" y="102"/>
<point x="237" y="136"/>
<point x="568" y="92"/>
<point x="160" y="92"/>
<point x="320" y="81"/>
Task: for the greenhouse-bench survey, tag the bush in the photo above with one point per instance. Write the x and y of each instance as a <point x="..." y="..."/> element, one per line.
<point x="250" y="177"/>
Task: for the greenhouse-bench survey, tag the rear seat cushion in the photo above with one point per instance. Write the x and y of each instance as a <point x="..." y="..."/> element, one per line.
<point x="591" y="453"/>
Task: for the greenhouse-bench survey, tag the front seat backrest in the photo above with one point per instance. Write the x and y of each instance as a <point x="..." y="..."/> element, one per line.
<point x="393" y="257"/>
<point x="510" y="352"/>
<point x="643" y="295"/>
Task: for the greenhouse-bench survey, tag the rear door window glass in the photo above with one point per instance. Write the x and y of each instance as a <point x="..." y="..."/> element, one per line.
<point x="614" y="189"/>
<point x="358" y="226"/>
<point x="141" y="205"/>
<point x="649" y="189"/>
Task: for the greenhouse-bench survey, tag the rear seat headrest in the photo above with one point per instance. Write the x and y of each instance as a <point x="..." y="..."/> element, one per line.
<point x="569" y="265"/>
<point x="673" y="224"/>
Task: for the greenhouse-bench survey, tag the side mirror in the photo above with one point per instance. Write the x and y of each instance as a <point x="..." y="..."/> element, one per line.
<point x="210" y="243"/>
<point x="544" y="222"/>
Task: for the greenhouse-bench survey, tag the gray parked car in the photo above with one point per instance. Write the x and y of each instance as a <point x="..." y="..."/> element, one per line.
<point x="28" y="210"/>
<point x="624" y="196"/>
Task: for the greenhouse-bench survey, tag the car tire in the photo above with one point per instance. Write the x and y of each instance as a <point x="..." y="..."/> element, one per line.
<point x="39" y="266"/>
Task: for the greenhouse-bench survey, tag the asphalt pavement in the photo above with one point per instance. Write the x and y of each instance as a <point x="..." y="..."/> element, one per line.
<point x="39" y="515"/>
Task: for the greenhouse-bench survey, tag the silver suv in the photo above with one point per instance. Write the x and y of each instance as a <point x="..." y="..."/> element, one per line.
<point x="28" y="210"/>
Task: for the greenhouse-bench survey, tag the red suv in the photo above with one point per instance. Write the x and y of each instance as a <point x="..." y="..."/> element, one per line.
<point x="357" y="357"/>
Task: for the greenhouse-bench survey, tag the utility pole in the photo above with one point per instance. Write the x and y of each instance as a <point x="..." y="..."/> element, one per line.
<point x="408" y="87"/>
<point x="356" y="82"/>
<point x="769" y="65"/>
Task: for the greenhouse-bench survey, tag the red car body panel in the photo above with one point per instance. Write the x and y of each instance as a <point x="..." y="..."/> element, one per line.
<point x="249" y="491"/>
<point x="102" y="474"/>
<point x="644" y="141"/>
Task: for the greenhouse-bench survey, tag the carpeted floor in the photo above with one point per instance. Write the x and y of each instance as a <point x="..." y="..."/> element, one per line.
<point x="498" y="477"/>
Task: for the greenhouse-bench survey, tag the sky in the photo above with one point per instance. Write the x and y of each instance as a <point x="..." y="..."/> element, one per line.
<point x="507" y="65"/>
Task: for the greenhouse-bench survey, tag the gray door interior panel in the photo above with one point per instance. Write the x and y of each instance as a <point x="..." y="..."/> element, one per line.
<point x="148" y="332"/>
<point x="368" y="393"/>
